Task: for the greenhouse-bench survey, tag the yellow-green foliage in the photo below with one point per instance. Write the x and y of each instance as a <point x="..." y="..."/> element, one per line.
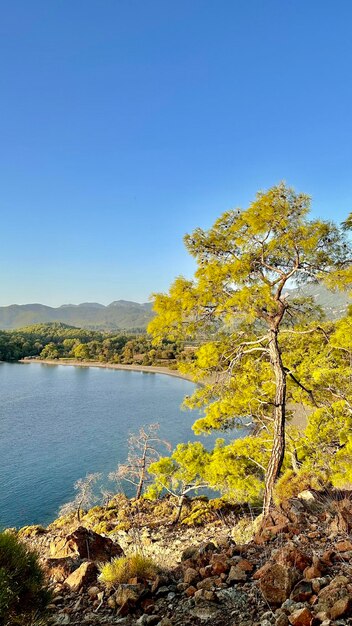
<point x="121" y="570"/>
<point x="291" y="484"/>
<point x="245" y="262"/>
<point x="31" y="531"/>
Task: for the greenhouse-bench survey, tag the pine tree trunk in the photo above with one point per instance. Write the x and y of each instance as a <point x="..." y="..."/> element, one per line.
<point x="278" y="449"/>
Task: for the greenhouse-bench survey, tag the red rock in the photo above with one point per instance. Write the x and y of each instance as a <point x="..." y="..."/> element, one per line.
<point x="343" y="546"/>
<point x="328" y="557"/>
<point x="301" y="617"/>
<point x="276" y="582"/>
<point x="190" y="591"/>
<point x="311" y="572"/>
<point x="87" y="545"/>
<point x="219" y="568"/>
<point x="245" y="565"/>
<point x="291" y="556"/>
<point x="84" y="575"/>
<point x="261" y="571"/>
<point x="271" y="531"/>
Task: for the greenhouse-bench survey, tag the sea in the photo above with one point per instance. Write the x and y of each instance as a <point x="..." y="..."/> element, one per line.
<point x="59" y="423"/>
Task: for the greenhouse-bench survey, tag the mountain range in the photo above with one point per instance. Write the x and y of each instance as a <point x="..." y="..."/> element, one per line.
<point x="118" y="315"/>
<point x="126" y="315"/>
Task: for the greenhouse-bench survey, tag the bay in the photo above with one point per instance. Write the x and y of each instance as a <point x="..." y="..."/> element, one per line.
<point x="58" y="423"/>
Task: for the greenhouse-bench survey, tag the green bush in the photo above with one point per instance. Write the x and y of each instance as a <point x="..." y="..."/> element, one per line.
<point x="22" y="591"/>
<point x="121" y="570"/>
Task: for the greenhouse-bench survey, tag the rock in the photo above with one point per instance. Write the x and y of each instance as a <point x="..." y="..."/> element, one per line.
<point x="190" y="576"/>
<point x="301" y="617"/>
<point x="207" y="583"/>
<point x="220" y="567"/>
<point x="343" y="546"/>
<point x="158" y="581"/>
<point x="111" y="602"/>
<point x="128" y="594"/>
<point x="307" y="496"/>
<point x="302" y="591"/>
<point x="291" y="556"/>
<point x="205" y="595"/>
<point x="329" y="595"/>
<point x="60" y="620"/>
<point x="341" y="608"/>
<point x="190" y="591"/>
<point x="282" y="620"/>
<point x="87" y="545"/>
<point x="343" y="520"/>
<point x="84" y="575"/>
<point x="147" y="620"/>
<point x="236" y="574"/>
<point x="59" y="569"/>
<point x="93" y="592"/>
<point x="245" y="565"/>
<point x="276" y="582"/>
<point x="312" y="572"/>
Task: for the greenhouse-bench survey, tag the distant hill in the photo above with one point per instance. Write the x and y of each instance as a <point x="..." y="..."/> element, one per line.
<point x="118" y="315"/>
<point x="126" y="315"/>
<point x="334" y="303"/>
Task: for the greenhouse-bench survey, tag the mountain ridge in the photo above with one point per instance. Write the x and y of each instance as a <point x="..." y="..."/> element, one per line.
<point x="119" y="314"/>
<point x="129" y="315"/>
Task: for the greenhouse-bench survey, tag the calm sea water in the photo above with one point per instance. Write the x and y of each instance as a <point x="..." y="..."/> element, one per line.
<point x="57" y="423"/>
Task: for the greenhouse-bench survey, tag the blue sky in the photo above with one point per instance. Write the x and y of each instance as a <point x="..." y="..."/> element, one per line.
<point x="126" y="123"/>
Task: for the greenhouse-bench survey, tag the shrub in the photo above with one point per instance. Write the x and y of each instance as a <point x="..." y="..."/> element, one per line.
<point x="291" y="484"/>
<point x="22" y="590"/>
<point x="121" y="570"/>
<point x="245" y="529"/>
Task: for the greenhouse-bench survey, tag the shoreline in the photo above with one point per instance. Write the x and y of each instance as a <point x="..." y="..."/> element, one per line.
<point x="147" y="369"/>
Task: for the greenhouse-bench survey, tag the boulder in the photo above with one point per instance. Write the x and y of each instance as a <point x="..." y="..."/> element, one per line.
<point x="87" y="545"/>
<point x="83" y="576"/>
<point x="276" y="582"/>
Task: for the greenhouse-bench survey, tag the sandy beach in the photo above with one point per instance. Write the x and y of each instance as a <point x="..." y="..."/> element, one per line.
<point x="150" y="369"/>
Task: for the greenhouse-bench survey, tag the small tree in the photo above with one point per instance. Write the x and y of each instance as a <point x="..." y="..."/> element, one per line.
<point x="143" y="451"/>
<point x="181" y="473"/>
<point x="85" y="496"/>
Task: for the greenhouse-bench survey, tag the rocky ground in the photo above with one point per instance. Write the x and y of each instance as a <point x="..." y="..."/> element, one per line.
<point x="297" y="570"/>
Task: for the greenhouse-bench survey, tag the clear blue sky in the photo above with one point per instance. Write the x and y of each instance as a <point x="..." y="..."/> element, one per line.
<point x="126" y="123"/>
